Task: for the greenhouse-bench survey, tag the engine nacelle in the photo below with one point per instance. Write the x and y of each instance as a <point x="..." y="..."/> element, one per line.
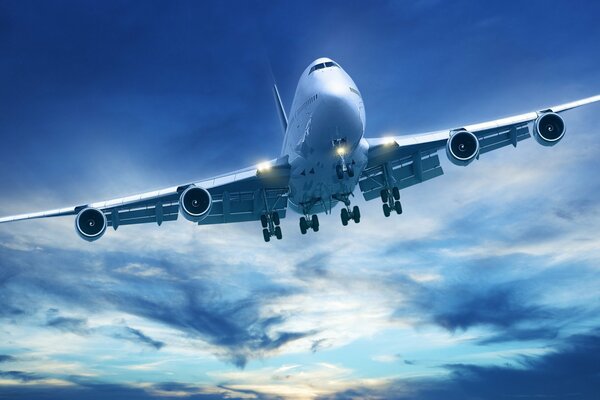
<point x="549" y="129"/>
<point x="195" y="203"/>
<point x="90" y="224"/>
<point x="462" y="147"/>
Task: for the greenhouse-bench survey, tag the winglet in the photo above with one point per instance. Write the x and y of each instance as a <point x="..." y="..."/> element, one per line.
<point x="280" y="110"/>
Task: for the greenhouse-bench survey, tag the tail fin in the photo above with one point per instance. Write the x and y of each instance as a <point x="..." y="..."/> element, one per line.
<point x="280" y="110"/>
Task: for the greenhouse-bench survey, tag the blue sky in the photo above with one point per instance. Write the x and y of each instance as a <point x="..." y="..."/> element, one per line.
<point x="486" y="286"/>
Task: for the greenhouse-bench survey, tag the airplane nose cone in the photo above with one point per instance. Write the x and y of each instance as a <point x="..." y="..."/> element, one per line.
<point x="336" y="117"/>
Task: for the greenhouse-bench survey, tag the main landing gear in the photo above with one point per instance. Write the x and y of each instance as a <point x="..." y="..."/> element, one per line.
<point x="270" y="223"/>
<point x="391" y="201"/>
<point x="348" y="213"/>
<point x="308" y="222"/>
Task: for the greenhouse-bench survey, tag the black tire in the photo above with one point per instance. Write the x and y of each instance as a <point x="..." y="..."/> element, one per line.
<point x="303" y="225"/>
<point x="263" y="221"/>
<point x="396" y="193"/>
<point x="386" y="209"/>
<point x="384" y="195"/>
<point x="344" y="215"/>
<point x="275" y="218"/>
<point x="350" y="170"/>
<point x="398" y="207"/>
<point x="266" y="235"/>
<point x="315" y="223"/>
<point x="356" y="214"/>
<point x="278" y="233"/>
<point x="339" y="171"/>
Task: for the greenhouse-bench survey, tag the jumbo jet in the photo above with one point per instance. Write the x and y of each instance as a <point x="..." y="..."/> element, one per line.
<point x="325" y="159"/>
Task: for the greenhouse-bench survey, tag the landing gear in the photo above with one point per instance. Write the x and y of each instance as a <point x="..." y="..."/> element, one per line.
<point x="347" y="215"/>
<point x="270" y="223"/>
<point x="307" y="223"/>
<point x="343" y="168"/>
<point x="339" y="171"/>
<point x="391" y="201"/>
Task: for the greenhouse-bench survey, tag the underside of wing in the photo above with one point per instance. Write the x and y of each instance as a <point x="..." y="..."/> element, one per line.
<point x="246" y="195"/>
<point x="402" y="161"/>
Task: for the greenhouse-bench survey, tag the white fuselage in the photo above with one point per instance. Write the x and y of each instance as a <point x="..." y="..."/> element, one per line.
<point x="325" y="129"/>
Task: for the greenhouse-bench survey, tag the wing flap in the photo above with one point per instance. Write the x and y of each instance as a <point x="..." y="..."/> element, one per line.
<point x="246" y="206"/>
<point x="493" y="139"/>
<point x="402" y="172"/>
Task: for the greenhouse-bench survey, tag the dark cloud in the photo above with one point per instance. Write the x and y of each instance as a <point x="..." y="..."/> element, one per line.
<point x="235" y="326"/>
<point x="317" y="345"/>
<point x="203" y="309"/>
<point x="69" y="324"/>
<point x="20" y="376"/>
<point x="571" y="372"/>
<point x="100" y="391"/>
<point x="135" y="335"/>
<point x="6" y="358"/>
<point x="461" y="307"/>
<point x="508" y="308"/>
<point x="313" y="267"/>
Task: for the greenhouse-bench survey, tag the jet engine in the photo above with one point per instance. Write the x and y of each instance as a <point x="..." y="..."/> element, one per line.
<point x="549" y="129"/>
<point x="195" y="203"/>
<point x="90" y="224"/>
<point x="462" y="147"/>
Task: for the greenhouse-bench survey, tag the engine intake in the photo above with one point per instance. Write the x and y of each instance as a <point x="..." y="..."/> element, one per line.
<point x="549" y="129"/>
<point x="90" y="224"/>
<point x="195" y="203"/>
<point x="462" y="147"/>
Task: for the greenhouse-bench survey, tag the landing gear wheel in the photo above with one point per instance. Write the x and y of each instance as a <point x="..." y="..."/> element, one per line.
<point x="398" y="207"/>
<point x="386" y="210"/>
<point x="263" y="221"/>
<point x="396" y="193"/>
<point x="315" y="223"/>
<point x="356" y="214"/>
<point x="278" y="233"/>
<point x="266" y="235"/>
<point x="350" y="170"/>
<point x="345" y="217"/>
<point x="303" y="225"/>
<point x="384" y="195"/>
<point x="275" y="218"/>
<point x="339" y="171"/>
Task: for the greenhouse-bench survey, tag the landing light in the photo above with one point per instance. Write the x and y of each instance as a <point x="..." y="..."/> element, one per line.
<point x="341" y="151"/>
<point x="264" y="166"/>
<point x="388" y="140"/>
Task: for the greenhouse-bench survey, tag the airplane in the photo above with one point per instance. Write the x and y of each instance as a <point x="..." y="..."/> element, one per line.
<point x="325" y="158"/>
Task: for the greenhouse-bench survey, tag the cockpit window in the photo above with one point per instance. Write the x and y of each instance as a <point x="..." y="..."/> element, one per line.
<point x="322" y="65"/>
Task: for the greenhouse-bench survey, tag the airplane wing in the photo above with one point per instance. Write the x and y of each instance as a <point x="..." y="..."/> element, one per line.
<point x="244" y="195"/>
<point x="403" y="161"/>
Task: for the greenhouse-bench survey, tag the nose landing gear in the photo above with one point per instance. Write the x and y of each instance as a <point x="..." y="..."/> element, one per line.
<point x="270" y="223"/>
<point x="344" y="168"/>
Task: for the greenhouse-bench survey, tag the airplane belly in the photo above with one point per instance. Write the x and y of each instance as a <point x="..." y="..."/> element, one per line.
<point x="314" y="182"/>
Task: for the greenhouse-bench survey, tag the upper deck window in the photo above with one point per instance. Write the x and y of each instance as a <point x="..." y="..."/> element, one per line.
<point x="322" y="65"/>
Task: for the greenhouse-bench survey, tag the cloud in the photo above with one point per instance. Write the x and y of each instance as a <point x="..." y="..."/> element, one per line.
<point x="67" y="390"/>
<point x="66" y="324"/>
<point x="569" y="372"/>
<point x="313" y="267"/>
<point x="20" y="376"/>
<point x="135" y="335"/>
<point x="6" y="358"/>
